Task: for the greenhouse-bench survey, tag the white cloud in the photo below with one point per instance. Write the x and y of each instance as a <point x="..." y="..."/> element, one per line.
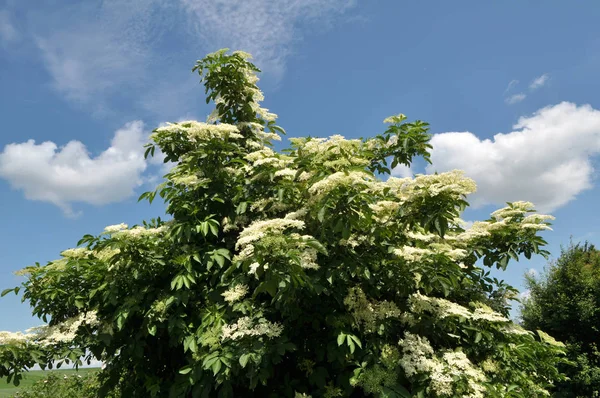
<point x="265" y="28"/>
<point x="524" y="295"/>
<point x="539" y="81"/>
<point x="532" y="272"/>
<point x="545" y="160"/>
<point x="512" y="84"/>
<point x="8" y="33"/>
<point x="94" y="53"/>
<point x="402" y="171"/>
<point x="513" y="99"/>
<point x="119" y="49"/>
<point x="66" y="175"/>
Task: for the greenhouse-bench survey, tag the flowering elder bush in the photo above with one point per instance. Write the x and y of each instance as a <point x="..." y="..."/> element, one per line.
<point x="293" y="274"/>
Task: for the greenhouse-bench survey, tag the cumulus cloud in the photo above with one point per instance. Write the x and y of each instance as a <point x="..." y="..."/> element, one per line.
<point x="66" y="175"/>
<point x="8" y="32"/>
<point x="402" y="171"/>
<point x="513" y="99"/>
<point x="539" y="81"/>
<point x="547" y="159"/>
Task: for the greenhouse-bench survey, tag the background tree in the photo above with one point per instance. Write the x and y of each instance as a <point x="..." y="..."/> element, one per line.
<point x="565" y="302"/>
<point x="292" y="274"/>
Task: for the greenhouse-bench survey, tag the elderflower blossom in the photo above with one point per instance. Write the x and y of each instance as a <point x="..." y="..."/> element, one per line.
<point x="253" y="268"/>
<point x="64" y="331"/>
<point x="188" y="180"/>
<point x="235" y="293"/>
<point x="76" y="253"/>
<point x="286" y="173"/>
<point x="485" y="313"/>
<point x="418" y="359"/>
<point x="13" y="338"/>
<point x="538" y="227"/>
<point x="296" y="215"/>
<point x="512" y="328"/>
<point x="369" y="313"/>
<point x="264" y="152"/>
<point x="537" y="218"/>
<point x="115" y="228"/>
<point x="412" y="254"/>
<point x="246" y="327"/>
<point x="242" y="54"/>
<point x="417" y="355"/>
<point x="264" y="136"/>
<point x="308" y="258"/>
<point x="140" y="232"/>
<point x="546" y="338"/>
<point x="259" y="229"/>
<point x="438" y="307"/>
<point x="417" y="235"/>
<point x="197" y="131"/>
<point x="477" y="230"/>
<point x="338" y="179"/>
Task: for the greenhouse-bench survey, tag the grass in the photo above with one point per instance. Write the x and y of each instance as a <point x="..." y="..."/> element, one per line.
<point x="29" y="378"/>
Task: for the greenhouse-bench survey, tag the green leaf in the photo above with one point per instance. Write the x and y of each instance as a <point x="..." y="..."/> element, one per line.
<point x="341" y="338"/>
<point x="6" y="291"/>
<point x="185" y="370"/>
<point x="216" y="367"/>
<point x="244" y="360"/>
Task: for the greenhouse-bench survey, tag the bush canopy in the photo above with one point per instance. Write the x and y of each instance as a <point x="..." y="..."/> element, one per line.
<point x="305" y="272"/>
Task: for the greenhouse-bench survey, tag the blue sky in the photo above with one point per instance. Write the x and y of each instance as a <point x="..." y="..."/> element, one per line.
<point x="83" y="82"/>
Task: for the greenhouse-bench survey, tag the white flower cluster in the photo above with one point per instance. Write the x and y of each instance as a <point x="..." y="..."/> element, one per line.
<point x="140" y="232"/>
<point x="369" y="313"/>
<point x="65" y="331"/>
<point x="259" y="229"/>
<point x="517" y="208"/>
<point x="419" y="359"/>
<point x="246" y="327"/>
<point x="335" y="152"/>
<point x="336" y="180"/>
<point x="442" y="308"/>
<point x="188" y="180"/>
<point x="46" y="335"/>
<point x="14" y="338"/>
<point x="286" y="173"/>
<point x="412" y="254"/>
<point x="115" y="228"/>
<point x="76" y="253"/>
<point x="235" y="293"/>
<point x="197" y="131"/>
<point x="453" y="182"/>
<point x="384" y="210"/>
<point x="421" y="236"/>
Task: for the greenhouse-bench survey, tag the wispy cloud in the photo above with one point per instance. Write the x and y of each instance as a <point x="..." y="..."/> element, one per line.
<point x="515" y="98"/>
<point x="141" y="51"/>
<point x="511" y="85"/>
<point x="67" y="175"/>
<point x="267" y="29"/>
<point x="8" y="32"/>
<point x="539" y="161"/>
<point x="539" y="81"/>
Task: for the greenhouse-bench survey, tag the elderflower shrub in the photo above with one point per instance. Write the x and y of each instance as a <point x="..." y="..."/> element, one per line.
<point x="306" y="272"/>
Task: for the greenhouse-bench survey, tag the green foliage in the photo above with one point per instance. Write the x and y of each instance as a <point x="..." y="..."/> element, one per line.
<point x="63" y="386"/>
<point x="565" y="302"/>
<point x="292" y="274"/>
